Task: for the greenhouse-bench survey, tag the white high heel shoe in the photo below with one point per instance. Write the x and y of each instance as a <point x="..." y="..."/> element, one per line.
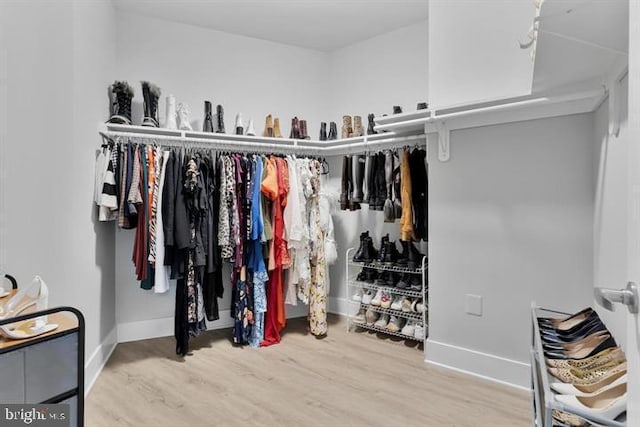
<point x="590" y="390"/>
<point x="609" y="403"/>
<point x="36" y="294"/>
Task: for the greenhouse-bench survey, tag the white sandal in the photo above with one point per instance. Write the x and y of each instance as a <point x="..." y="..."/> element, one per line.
<point x="36" y="294"/>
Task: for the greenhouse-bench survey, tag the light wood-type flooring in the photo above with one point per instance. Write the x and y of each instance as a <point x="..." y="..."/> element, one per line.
<point x="356" y="379"/>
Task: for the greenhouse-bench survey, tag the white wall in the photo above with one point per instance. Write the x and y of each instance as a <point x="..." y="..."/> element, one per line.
<point x="374" y="75"/>
<point x="253" y="76"/>
<point x="511" y="220"/>
<point x="473" y="50"/>
<point x="59" y="60"/>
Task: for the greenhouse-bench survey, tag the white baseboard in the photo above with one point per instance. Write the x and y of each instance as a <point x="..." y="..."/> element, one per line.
<point x="490" y="367"/>
<point x="163" y="327"/>
<point x="337" y="305"/>
<point x="94" y="364"/>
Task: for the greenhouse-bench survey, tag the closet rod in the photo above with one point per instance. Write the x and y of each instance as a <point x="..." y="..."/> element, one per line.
<point x="215" y="144"/>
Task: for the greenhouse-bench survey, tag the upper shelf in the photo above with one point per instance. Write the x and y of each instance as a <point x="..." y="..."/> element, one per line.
<point x="260" y="143"/>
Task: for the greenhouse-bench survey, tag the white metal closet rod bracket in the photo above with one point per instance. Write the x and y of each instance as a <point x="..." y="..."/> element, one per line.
<point x="444" y="149"/>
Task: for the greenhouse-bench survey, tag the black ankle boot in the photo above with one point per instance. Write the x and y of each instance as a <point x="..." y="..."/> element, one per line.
<point x="414" y="258"/>
<point x="404" y="282"/>
<point x="403" y="258"/>
<point x="397" y="109"/>
<point x="383" y="248"/>
<point x="207" y="125"/>
<point x="422" y="106"/>
<point x="391" y="255"/>
<point x="121" y="95"/>
<point x="344" y="190"/>
<point x="323" y="131"/>
<point x="220" y="119"/>
<point x="370" y="252"/>
<point x="362" y="276"/>
<point x="371" y="129"/>
<point x="371" y="276"/>
<point x="360" y="253"/>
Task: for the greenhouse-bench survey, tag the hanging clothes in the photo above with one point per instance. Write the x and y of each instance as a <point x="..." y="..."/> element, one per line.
<point x="406" y="221"/>
<point x="318" y="290"/>
<point x="419" y="191"/>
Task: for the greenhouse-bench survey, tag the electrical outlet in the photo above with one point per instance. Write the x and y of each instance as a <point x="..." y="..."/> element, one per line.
<point x="473" y="304"/>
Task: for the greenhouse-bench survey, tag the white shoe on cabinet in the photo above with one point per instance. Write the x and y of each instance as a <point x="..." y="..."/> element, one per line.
<point x="609" y="403"/>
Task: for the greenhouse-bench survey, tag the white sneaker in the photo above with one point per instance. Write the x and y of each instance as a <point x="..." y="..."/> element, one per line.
<point x="395" y="324"/>
<point x="419" y="331"/>
<point x="385" y="300"/>
<point x="382" y="322"/>
<point x="397" y="303"/>
<point x="358" y="295"/>
<point x="367" y="296"/>
<point x="409" y="329"/>
<point x="405" y="304"/>
<point x="377" y="299"/>
<point x="360" y="317"/>
<point x="371" y="316"/>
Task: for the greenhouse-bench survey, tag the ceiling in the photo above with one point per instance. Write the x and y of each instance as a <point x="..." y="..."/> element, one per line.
<point x="324" y="25"/>
<point x="579" y="41"/>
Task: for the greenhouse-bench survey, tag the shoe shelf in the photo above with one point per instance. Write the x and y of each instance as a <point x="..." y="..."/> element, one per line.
<point x="388" y="332"/>
<point x="391" y="289"/>
<point x="544" y="401"/>
<point x="385" y="267"/>
<point x="399" y="313"/>
<point x="354" y="306"/>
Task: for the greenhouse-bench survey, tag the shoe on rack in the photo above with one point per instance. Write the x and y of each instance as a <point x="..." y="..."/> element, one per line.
<point x="391" y="254"/>
<point x="371" y="128"/>
<point x="359" y="255"/>
<point x="397" y="303"/>
<point x="392" y="279"/>
<point x="383" y="248"/>
<point x="36" y="295"/>
<point x="409" y="329"/>
<point x="347" y="127"/>
<point x="590" y="376"/>
<point x="566" y="324"/>
<point x="276" y="128"/>
<point x="361" y="277"/>
<point x="150" y="95"/>
<point x="220" y="119"/>
<point x="333" y="131"/>
<point x="377" y="299"/>
<point x="251" y="131"/>
<point x="590" y="389"/>
<point x="397" y="109"/>
<point x="358" y="130"/>
<point x="565" y="419"/>
<point x="207" y="123"/>
<point x="406" y="304"/>
<point x="414" y="258"/>
<point x="371" y="275"/>
<point x="605" y="356"/>
<point x="323" y="131"/>
<point x="367" y="296"/>
<point x="586" y="328"/>
<point x="382" y="279"/>
<point x="404" y="282"/>
<point x="396" y="323"/>
<point x="304" y="134"/>
<point x="171" y="118"/>
<point x="370" y="252"/>
<point x="588" y="347"/>
<point x="371" y="316"/>
<point x="422" y="106"/>
<point x="120" y="94"/>
<point x="183" y="117"/>
<point x="382" y="322"/>
<point x="268" y="126"/>
<point x="295" y="129"/>
<point x="608" y="404"/>
<point x="415" y="283"/>
<point x="419" y="331"/>
<point x="385" y="300"/>
<point x="358" y="295"/>
<point x="417" y="306"/>
<point x="239" y="124"/>
<point x="360" y="318"/>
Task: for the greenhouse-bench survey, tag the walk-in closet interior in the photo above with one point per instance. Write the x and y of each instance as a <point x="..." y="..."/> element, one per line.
<point x="304" y="212"/>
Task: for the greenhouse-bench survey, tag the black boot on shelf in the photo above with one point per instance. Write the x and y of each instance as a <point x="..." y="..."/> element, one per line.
<point x="397" y="109"/>
<point x="333" y="131"/>
<point x="304" y="134"/>
<point x="344" y="190"/>
<point x="404" y="282"/>
<point x="382" y="279"/>
<point x="358" y="173"/>
<point x="403" y="258"/>
<point x="391" y="254"/>
<point x="295" y="129"/>
<point x="383" y="248"/>
<point x="371" y="129"/>
<point x="151" y="95"/>
<point x="120" y="94"/>
<point x="207" y="125"/>
<point x="220" y="119"/>
<point x="415" y="283"/>
<point x="353" y="205"/>
<point x="362" y="276"/>
<point x="392" y="279"/>
<point x="414" y="258"/>
<point x="370" y="252"/>
<point x="422" y="106"/>
<point x="323" y="131"/>
<point x="359" y="255"/>
<point x="372" y="275"/>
